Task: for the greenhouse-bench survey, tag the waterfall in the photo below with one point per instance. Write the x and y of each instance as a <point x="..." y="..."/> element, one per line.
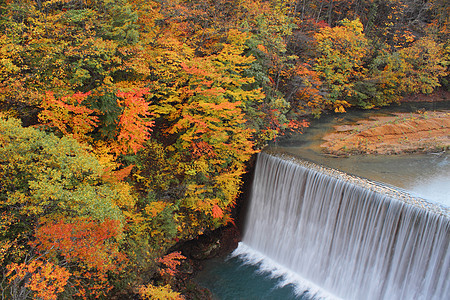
<point x="354" y="238"/>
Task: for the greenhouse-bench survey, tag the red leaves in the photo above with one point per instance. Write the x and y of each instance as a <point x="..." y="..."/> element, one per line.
<point x="202" y="148"/>
<point x="83" y="240"/>
<point x="71" y="117"/>
<point x="217" y="212"/>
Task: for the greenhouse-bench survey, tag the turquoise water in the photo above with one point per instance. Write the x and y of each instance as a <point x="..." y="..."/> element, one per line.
<point x="231" y="279"/>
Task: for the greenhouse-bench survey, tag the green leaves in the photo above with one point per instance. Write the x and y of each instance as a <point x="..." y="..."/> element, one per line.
<point x="44" y="176"/>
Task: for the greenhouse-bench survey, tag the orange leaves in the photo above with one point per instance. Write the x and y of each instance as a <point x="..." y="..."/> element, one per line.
<point x="226" y="108"/>
<point x="202" y="148"/>
<point x="171" y="261"/>
<point x="155" y="207"/>
<point x="308" y="95"/>
<point x="45" y="279"/>
<point x="69" y="115"/>
<point x="117" y="176"/>
<point x="134" y="129"/>
<point x="217" y="212"/>
<point x="89" y="244"/>
<point x="193" y="70"/>
<point x="295" y="125"/>
<point x="82" y="240"/>
<point x="262" y="48"/>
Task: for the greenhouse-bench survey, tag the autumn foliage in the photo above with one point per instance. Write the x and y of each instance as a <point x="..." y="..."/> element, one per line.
<point x="134" y="127"/>
<point x="126" y="125"/>
<point x="68" y="115"/>
<point x="44" y="279"/>
<point x="89" y="244"/>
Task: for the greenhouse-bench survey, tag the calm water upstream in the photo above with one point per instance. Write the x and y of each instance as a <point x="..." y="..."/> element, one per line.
<point x="247" y="275"/>
<point x="423" y="175"/>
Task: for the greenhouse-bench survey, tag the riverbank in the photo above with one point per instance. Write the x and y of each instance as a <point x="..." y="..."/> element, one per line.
<point x="420" y="132"/>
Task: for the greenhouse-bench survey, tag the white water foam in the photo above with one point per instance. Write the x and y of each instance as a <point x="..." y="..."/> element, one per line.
<point x="272" y="269"/>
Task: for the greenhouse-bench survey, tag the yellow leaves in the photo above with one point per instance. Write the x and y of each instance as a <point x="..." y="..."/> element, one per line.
<point x="125" y="198"/>
<point x="237" y="37"/>
<point x="56" y="173"/>
<point x="339" y="109"/>
<point x="340" y="64"/>
<point x="152" y="292"/>
<point x="340" y="105"/>
<point x="7" y="66"/>
<point x="408" y="37"/>
<point x="69" y="115"/>
<point x="154" y="208"/>
<point x="346" y="39"/>
<point x="420" y="66"/>
<point x="103" y="153"/>
<point x="355" y="25"/>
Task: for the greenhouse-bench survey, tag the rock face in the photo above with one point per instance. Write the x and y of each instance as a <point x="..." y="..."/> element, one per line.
<point x="399" y="133"/>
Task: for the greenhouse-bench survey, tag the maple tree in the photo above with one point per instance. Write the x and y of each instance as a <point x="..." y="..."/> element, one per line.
<point x="46" y="178"/>
<point x="134" y="129"/>
<point x="68" y="115"/>
<point x="202" y="116"/>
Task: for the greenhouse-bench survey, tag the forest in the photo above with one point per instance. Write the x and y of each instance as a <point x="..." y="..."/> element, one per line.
<point x="126" y="125"/>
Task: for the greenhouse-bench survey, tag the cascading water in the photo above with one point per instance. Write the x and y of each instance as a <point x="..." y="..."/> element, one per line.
<point x="353" y="238"/>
